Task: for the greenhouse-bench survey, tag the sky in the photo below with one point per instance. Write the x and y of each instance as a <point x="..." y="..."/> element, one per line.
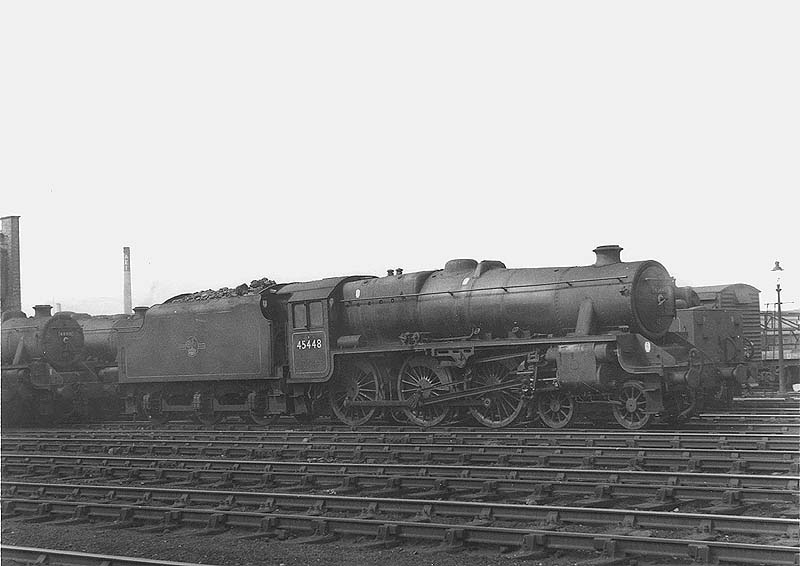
<point x="229" y="141"/>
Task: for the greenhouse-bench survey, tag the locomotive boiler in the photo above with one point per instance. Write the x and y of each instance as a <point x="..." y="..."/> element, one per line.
<point x="468" y="297"/>
<point x="492" y="338"/>
<point x="54" y="340"/>
<point x="473" y="338"/>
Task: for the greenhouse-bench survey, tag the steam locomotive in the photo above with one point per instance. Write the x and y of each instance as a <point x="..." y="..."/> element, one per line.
<point x="473" y="338"/>
<point x="59" y="367"/>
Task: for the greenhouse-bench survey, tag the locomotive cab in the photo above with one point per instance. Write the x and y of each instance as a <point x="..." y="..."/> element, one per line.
<point x="311" y="325"/>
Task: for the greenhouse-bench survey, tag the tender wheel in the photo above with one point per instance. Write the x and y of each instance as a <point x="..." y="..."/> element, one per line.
<point x="206" y="415"/>
<point x="499" y="408"/>
<point x="154" y="411"/>
<point x="630" y="414"/>
<point x="356" y="380"/>
<point x="422" y="378"/>
<point x="261" y="419"/>
<point x="257" y="415"/>
<point x="556" y="409"/>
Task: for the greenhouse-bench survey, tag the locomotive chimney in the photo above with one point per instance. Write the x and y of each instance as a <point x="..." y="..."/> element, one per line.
<point x="126" y="285"/>
<point x="606" y="255"/>
<point x="41" y="311"/>
<point x="139" y="311"/>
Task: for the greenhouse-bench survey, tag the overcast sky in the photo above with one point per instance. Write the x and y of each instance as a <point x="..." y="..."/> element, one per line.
<point x="229" y="141"/>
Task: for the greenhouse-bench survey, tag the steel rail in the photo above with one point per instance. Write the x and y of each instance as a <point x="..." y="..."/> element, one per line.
<point x="607" y="490"/>
<point x="423" y="528"/>
<point x="320" y="504"/>
<point x="680" y="440"/>
<point x="770" y="461"/>
<point x="30" y="555"/>
<point x="80" y="465"/>
<point x="745" y="426"/>
<point x="415" y="434"/>
<point x="759" y="417"/>
<point x="769" y="402"/>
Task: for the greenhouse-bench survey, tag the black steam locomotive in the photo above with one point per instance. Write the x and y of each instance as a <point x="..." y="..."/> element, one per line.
<point x="474" y="338"/>
<point x="61" y="367"/>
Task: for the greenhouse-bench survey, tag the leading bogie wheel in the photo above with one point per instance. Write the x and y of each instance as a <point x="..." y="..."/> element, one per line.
<point x="629" y="412"/>
<point x="421" y="379"/>
<point x="556" y="408"/>
<point x="356" y="380"/>
<point x="497" y="408"/>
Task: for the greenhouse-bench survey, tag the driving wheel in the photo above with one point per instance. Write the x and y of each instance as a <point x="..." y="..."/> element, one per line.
<point x="422" y="379"/>
<point x="498" y="408"/>
<point x="356" y="380"/>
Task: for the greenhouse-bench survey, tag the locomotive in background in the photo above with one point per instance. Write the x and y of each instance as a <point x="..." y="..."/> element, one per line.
<point x="472" y="338"/>
<point x="61" y="367"/>
<point x="760" y="330"/>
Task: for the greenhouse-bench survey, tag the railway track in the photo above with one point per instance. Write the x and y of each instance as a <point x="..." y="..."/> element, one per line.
<point x="617" y="495"/>
<point x="766" y="421"/>
<point x="477" y="453"/>
<point x="76" y="501"/>
<point x="28" y="555"/>
<point x="609" y="439"/>
<point x="325" y="518"/>
<point x="655" y="490"/>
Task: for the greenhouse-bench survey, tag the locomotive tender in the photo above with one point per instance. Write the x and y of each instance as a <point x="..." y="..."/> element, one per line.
<point x="474" y="337"/>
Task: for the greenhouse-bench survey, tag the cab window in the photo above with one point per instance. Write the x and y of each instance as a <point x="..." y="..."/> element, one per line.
<point x="315" y="314"/>
<point x="299" y="315"/>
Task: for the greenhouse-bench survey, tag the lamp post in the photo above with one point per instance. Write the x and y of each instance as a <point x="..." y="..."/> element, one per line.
<point x="781" y="373"/>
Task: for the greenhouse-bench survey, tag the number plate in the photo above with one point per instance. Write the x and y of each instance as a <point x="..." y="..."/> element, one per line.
<point x="310" y="352"/>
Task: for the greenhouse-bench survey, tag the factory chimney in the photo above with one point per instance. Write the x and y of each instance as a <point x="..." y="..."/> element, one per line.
<point x="10" y="287"/>
<point x="126" y="288"/>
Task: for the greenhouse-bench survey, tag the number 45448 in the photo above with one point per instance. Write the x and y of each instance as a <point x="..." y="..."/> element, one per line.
<point x="309" y="343"/>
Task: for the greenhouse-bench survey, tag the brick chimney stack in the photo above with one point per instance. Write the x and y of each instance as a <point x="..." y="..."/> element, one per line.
<point x="10" y="285"/>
